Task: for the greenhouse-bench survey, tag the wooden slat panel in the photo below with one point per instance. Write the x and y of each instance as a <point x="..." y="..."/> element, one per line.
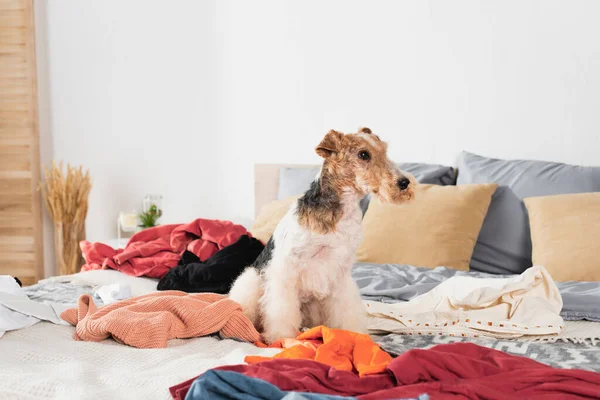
<point x="15" y="175"/>
<point x="21" y="269"/>
<point x="20" y="202"/>
<point x="11" y="5"/>
<point x="12" y="96"/>
<point x="10" y="58"/>
<point x="12" y="19"/>
<point x="14" y="162"/>
<point x="19" y="150"/>
<point x="16" y="92"/>
<point x="14" y="186"/>
<point x="10" y="231"/>
<point x="16" y="203"/>
<point x="18" y="244"/>
<point x="17" y="258"/>
<point x="10" y="106"/>
<point x="16" y="129"/>
<point x="15" y="48"/>
<point x="13" y="73"/>
<point x="15" y="141"/>
<point x="14" y="35"/>
<point x="12" y="116"/>
<point x="15" y="219"/>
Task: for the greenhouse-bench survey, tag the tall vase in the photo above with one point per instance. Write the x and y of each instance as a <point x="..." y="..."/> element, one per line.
<point x="66" y="242"/>
<point x="66" y="197"/>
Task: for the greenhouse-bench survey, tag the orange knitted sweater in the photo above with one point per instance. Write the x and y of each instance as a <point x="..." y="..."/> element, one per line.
<point x="149" y="321"/>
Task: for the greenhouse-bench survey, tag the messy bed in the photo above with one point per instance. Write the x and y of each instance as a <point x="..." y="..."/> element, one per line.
<point x="153" y="320"/>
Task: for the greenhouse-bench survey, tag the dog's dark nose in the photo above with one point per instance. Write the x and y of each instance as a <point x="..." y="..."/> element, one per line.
<point x="403" y="183"/>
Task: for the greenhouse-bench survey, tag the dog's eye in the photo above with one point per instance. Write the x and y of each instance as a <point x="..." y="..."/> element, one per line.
<point x="364" y="155"/>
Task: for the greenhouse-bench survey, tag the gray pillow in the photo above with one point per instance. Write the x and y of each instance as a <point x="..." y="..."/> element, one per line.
<point x="294" y="181"/>
<point x="504" y="242"/>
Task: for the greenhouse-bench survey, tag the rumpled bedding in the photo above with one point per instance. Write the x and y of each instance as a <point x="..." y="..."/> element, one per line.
<point x="18" y="311"/>
<point x="61" y="292"/>
<point x="565" y="354"/>
<point x="376" y="282"/>
<point x="227" y="385"/>
<point x="460" y="370"/>
<point x="391" y="283"/>
<point x="154" y="251"/>
<point x="522" y="305"/>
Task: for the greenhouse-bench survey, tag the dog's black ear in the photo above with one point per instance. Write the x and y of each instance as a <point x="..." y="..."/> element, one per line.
<point x="330" y="144"/>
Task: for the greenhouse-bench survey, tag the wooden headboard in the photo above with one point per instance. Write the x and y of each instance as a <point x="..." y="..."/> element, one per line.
<point x="266" y="182"/>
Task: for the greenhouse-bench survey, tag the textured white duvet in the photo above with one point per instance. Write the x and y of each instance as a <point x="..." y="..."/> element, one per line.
<point x="45" y="362"/>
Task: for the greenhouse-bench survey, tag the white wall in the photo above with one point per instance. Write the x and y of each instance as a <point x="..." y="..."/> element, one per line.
<point x="182" y="97"/>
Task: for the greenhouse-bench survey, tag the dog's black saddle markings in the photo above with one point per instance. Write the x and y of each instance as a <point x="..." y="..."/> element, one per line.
<point x="265" y="256"/>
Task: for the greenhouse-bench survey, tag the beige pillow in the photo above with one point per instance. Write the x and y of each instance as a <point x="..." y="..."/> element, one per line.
<point x="269" y="217"/>
<point x="565" y="234"/>
<point x="438" y="228"/>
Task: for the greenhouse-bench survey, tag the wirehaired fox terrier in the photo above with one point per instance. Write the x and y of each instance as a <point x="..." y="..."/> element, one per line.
<point x="303" y="276"/>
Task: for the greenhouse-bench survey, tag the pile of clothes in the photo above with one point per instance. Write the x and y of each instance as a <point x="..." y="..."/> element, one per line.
<point x="339" y="364"/>
<point x="203" y="256"/>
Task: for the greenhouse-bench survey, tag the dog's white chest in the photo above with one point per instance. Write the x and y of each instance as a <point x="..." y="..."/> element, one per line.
<point x="316" y="262"/>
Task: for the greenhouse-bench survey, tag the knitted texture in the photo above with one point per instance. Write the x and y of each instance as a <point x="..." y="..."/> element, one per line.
<point x="149" y="321"/>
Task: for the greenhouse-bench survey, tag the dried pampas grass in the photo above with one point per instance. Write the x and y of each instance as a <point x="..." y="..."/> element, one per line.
<point x="66" y="197"/>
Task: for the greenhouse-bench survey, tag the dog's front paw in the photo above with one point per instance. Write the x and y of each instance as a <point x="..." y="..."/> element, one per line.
<point x="271" y="336"/>
<point x="355" y="322"/>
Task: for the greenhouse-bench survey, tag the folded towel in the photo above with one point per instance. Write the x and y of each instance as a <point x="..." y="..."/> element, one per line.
<point x="527" y="304"/>
<point x="343" y="350"/>
<point x="149" y="321"/>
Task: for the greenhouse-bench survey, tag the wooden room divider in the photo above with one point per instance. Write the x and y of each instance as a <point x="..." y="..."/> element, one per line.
<point x="21" y="241"/>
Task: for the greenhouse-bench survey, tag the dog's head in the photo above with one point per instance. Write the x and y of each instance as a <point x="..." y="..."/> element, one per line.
<point x="359" y="162"/>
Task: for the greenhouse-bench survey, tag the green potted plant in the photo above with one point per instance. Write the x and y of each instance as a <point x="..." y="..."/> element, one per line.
<point x="151" y="213"/>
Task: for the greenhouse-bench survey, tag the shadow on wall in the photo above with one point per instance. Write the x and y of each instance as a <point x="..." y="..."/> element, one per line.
<point x="44" y="115"/>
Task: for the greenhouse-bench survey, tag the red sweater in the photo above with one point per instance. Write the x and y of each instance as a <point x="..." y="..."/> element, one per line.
<point x="154" y="251"/>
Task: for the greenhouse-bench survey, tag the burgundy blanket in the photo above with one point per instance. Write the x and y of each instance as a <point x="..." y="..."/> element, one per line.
<point x="154" y="251"/>
<point x="448" y="371"/>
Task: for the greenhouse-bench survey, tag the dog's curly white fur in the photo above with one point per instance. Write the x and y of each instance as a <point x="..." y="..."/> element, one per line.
<point x="303" y="277"/>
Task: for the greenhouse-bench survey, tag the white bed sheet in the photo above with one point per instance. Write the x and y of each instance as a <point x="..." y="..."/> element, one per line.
<point x="45" y="362"/>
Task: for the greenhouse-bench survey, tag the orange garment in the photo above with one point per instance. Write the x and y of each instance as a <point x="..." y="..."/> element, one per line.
<point x="149" y="321"/>
<point x="343" y="350"/>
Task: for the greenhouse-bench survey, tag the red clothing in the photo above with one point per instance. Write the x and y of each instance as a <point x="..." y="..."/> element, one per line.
<point x="154" y="251"/>
<point x="447" y="371"/>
